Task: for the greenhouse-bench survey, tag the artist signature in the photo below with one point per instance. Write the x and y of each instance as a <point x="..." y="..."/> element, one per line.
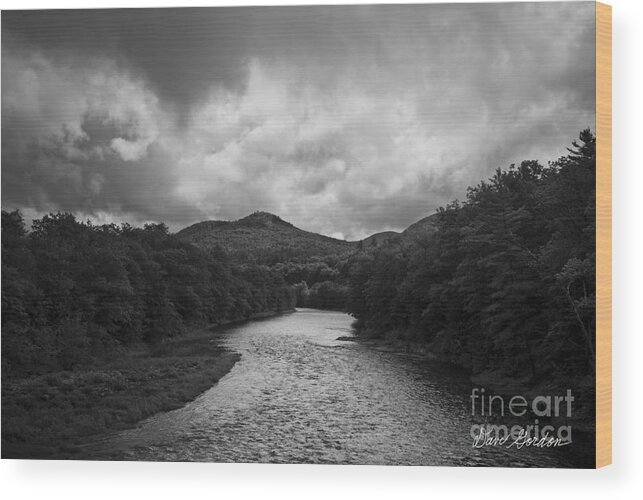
<point x="518" y="440"/>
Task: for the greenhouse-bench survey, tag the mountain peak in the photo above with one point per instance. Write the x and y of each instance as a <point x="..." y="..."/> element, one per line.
<point x="264" y="238"/>
<point x="263" y="219"/>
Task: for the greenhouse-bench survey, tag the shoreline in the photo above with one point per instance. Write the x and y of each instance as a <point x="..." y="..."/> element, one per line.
<point x="253" y="317"/>
<point x="51" y="416"/>
<point x="495" y="381"/>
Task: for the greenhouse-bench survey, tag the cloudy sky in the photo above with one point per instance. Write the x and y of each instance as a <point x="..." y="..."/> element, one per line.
<point x="342" y="120"/>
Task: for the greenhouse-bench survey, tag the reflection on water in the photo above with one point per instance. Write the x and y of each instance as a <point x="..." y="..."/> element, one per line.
<point x="300" y="396"/>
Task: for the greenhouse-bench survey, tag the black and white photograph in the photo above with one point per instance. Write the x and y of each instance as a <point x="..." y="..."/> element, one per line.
<point x="334" y="234"/>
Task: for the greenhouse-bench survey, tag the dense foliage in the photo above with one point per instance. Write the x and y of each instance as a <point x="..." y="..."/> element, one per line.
<point x="264" y="238"/>
<point x="314" y="264"/>
<point x="506" y="281"/>
<point x="320" y="284"/>
<point x="73" y="292"/>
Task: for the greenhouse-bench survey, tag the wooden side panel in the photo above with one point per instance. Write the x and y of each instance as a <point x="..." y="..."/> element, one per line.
<point x="603" y="235"/>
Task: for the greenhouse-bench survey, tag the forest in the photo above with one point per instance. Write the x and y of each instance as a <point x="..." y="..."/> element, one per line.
<point x="505" y="285"/>
<point x="315" y="265"/>
<point x="74" y="293"/>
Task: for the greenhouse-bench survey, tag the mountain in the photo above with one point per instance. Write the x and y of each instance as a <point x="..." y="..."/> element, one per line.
<point x="264" y="238"/>
<point x="267" y="239"/>
<point x="423" y="227"/>
<point x="378" y="239"/>
<point x="416" y="232"/>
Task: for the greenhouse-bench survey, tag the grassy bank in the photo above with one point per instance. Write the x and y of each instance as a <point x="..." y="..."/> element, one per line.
<point x="47" y="416"/>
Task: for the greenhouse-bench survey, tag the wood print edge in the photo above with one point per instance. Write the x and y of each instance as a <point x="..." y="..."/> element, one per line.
<point x="603" y="234"/>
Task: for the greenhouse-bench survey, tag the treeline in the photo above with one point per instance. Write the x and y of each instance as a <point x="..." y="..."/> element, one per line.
<point x="73" y="292"/>
<point x="507" y="282"/>
<point x="329" y="295"/>
<point x="321" y="283"/>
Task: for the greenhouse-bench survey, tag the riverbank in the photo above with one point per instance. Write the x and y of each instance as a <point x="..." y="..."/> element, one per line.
<point x="48" y="416"/>
<point x="498" y="382"/>
<point x="253" y="317"/>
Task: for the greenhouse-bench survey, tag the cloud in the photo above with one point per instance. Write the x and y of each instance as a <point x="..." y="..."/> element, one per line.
<point x="130" y="150"/>
<point x="359" y="120"/>
<point x="71" y="131"/>
<point x="360" y="158"/>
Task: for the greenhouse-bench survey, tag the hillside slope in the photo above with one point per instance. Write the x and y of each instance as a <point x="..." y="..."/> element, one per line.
<point x="417" y="233"/>
<point x="378" y="239"/>
<point x="421" y="228"/>
<point x="264" y="238"/>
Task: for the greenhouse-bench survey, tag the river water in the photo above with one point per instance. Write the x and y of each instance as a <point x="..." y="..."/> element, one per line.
<point x="299" y="395"/>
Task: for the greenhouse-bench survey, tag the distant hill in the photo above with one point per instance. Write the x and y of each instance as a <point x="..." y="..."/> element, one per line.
<point x="382" y="238"/>
<point x="416" y="232"/>
<point x="264" y="238"/>
<point x="267" y="239"/>
<point x="423" y="227"/>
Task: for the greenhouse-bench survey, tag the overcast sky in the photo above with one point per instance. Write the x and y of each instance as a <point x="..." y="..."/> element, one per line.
<point x="342" y="120"/>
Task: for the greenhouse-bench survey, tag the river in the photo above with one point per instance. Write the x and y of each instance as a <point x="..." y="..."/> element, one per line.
<point x="299" y="395"/>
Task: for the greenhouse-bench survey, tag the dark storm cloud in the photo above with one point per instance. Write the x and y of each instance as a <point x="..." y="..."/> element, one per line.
<point x="181" y="53"/>
<point x="344" y="120"/>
